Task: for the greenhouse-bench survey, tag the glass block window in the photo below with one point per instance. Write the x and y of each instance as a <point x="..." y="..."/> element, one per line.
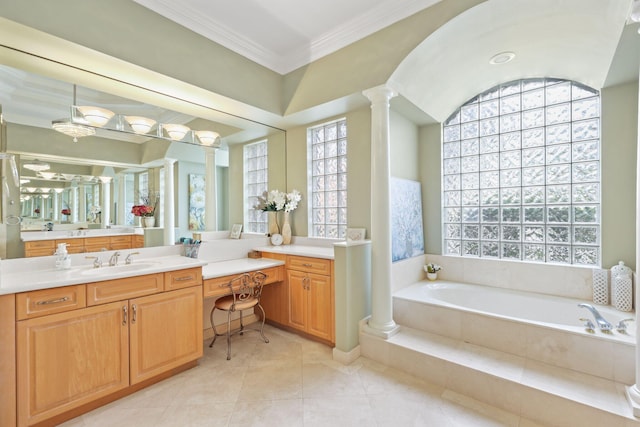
<point x="327" y="163"/>
<point x="255" y="184"/>
<point x="521" y="174"/>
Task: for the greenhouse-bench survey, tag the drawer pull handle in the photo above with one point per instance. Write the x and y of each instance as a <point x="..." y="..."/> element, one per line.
<point x="53" y="301"/>
<point x="183" y="279"/>
<point x="134" y="313"/>
<point x="124" y="315"/>
<point x="307" y="265"/>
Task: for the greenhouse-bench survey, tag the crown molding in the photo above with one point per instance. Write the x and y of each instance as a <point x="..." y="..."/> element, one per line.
<point x="357" y="28"/>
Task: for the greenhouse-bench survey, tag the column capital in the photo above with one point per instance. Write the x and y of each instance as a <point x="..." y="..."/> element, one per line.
<point x="382" y="93"/>
<point x="169" y="161"/>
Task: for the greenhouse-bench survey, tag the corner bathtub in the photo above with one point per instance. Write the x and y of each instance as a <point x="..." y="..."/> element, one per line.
<point x="535" y="326"/>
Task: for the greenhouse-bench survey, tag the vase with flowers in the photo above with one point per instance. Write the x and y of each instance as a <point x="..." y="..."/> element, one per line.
<point x="66" y="212"/>
<point x="290" y="205"/>
<point x="272" y="202"/>
<point x="432" y="270"/>
<point x="145" y="212"/>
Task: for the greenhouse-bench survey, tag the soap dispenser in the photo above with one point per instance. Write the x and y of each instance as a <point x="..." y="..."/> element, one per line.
<point x="63" y="260"/>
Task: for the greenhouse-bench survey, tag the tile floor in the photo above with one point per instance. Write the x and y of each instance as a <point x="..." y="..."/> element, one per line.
<point x="293" y="382"/>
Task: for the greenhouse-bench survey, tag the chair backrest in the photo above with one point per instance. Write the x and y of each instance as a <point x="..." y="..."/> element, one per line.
<point x="246" y="286"/>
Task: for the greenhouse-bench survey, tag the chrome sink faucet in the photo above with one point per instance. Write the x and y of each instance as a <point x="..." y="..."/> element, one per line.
<point x="601" y="321"/>
<point x="113" y="261"/>
<point x="129" y="258"/>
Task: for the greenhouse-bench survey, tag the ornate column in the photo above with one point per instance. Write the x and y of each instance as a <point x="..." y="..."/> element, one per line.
<point x="633" y="392"/>
<point x="210" y="209"/>
<point x="56" y="205"/>
<point x="381" y="321"/>
<point x="106" y="201"/>
<point x="169" y="204"/>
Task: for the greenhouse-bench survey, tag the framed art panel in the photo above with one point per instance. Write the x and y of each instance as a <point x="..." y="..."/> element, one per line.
<point x="196" y="202"/>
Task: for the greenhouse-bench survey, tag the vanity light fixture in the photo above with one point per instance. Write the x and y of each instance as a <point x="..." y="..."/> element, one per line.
<point x="31" y="189"/>
<point x="208" y="138"/>
<point x="140" y="125"/>
<point x="44" y="190"/>
<point x="44" y="196"/>
<point x="175" y="131"/>
<point x="75" y="127"/>
<point x="95" y="116"/>
<point x="58" y="190"/>
<point x="36" y="166"/>
<point x="74" y="130"/>
<point x="24" y="180"/>
<point x="47" y="175"/>
<point x="68" y="176"/>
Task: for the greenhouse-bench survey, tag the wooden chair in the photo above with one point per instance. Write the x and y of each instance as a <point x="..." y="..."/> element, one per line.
<point x="244" y="293"/>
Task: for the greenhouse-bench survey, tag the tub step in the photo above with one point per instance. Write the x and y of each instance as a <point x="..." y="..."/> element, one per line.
<point x="547" y="394"/>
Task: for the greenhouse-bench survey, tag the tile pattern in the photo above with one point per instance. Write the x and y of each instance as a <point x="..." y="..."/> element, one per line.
<point x="294" y="382"/>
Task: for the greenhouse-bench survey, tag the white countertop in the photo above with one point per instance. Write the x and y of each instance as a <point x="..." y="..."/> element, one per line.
<point x="33" y="279"/>
<point x="237" y="266"/>
<point x="301" y="250"/>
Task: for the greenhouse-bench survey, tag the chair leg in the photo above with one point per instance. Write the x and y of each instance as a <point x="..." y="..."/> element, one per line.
<point x="241" y="324"/>
<point x="264" y="317"/>
<point x="213" y="325"/>
<point x="229" y="335"/>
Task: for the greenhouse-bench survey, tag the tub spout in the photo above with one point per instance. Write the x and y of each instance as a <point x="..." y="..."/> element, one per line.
<point x="601" y="321"/>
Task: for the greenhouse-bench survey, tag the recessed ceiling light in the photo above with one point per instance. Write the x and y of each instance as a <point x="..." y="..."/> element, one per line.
<point x="502" y="58"/>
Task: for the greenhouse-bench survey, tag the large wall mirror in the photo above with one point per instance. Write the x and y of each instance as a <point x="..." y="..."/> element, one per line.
<point x="67" y="190"/>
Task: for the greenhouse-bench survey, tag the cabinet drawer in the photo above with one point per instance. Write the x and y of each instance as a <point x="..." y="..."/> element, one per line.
<point x="74" y="246"/>
<point x="182" y="278"/>
<point x="310" y="265"/>
<point x="49" y="301"/>
<point x="40" y="244"/>
<point x="217" y="287"/>
<point x="39" y="248"/>
<point x="96" y="244"/>
<point x="121" y="289"/>
<point x="274" y="274"/>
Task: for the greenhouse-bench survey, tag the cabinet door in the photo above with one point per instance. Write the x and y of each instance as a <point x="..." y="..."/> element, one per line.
<point x="165" y="331"/>
<point x="274" y="302"/>
<point x="68" y="359"/>
<point x="319" y="306"/>
<point x="297" y="298"/>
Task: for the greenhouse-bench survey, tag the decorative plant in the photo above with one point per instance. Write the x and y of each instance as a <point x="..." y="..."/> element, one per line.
<point x="143" y="210"/>
<point x="432" y="268"/>
<point x="272" y="201"/>
<point x="148" y="201"/>
<point x="292" y="200"/>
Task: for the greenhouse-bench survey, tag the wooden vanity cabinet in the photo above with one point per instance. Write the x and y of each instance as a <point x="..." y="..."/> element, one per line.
<point x="311" y="307"/>
<point x="304" y="301"/>
<point x="69" y="359"/>
<point x="130" y="331"/>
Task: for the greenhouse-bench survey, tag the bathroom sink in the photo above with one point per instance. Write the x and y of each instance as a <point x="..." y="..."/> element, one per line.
<point x="116" y="269"/>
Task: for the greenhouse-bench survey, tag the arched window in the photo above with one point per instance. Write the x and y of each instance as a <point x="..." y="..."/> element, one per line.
<point x="521" y="174"/>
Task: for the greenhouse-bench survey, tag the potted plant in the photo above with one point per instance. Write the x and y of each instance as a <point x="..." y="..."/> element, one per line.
<point x="432" y="270"/>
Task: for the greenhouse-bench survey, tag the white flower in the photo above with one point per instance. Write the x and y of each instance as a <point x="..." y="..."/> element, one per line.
<point x="292" y="200"/>
<point x="277" y="198"/>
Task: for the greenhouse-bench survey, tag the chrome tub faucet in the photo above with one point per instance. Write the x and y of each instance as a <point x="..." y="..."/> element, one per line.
<point x="602" y="323"/>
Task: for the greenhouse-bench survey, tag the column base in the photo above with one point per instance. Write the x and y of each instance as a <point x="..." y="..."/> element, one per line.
<point x="383" y="331"/>
<point x="633" y="396"/>
<point x="346" y="357"/>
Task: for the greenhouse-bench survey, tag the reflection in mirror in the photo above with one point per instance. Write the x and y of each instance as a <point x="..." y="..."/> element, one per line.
<point x="69" y="195"/>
